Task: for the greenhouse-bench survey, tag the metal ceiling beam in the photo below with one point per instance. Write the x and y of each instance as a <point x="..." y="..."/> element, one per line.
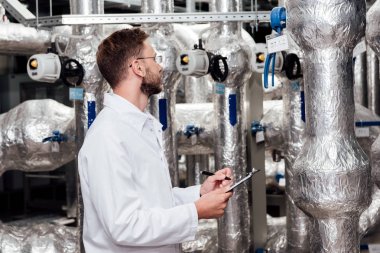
<point x="18" y="11"/>
<point x="150" y="18"/>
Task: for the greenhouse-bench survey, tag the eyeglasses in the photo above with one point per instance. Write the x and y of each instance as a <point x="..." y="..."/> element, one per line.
<point x="157" y="59"/>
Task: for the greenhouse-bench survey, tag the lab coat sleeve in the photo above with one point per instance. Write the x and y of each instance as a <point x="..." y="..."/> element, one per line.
<point x="117" y="203"/>
<point x="186" y="195"/>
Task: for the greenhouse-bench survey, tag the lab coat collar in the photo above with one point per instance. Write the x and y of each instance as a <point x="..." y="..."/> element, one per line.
<point x="127" y="110"/>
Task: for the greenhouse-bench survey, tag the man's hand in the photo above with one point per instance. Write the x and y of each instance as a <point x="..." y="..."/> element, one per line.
<point x="218" y="180"/>
<point x="212" y="204"/>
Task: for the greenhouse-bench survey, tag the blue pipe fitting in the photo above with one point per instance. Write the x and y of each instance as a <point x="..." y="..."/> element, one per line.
<point x="56" y="137"/>
<point x="256" y="127"/>
<point x="191" y="130"/>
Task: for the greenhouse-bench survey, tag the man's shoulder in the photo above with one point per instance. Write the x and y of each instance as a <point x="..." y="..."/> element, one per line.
<point x="109" y="122"/>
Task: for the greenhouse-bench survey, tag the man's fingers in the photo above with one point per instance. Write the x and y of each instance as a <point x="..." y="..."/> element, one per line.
<point x="226" y="171"/>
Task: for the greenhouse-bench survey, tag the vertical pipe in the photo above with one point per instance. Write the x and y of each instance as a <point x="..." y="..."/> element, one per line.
<point x="157" y="6"/>
<point x="332" y="173"/>
<point x="230" y="151"/>
<point x="373" y="85"/>
<point x="84" y="50"/>
<point x="297" y="221"/>
<point x="360" y="81"/>
<point x="162" y="105"/>
<point x="190" y="6"/>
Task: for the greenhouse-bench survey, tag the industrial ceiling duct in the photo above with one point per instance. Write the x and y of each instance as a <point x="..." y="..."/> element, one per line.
<point x="230" y="148"/>
<point x="162" y="106"/>
<point x="332" y="172"/>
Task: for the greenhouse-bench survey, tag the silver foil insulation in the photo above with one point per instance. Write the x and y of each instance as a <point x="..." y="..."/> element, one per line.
<point x="331" y="173"/>
<point x="230" y="145"/>
<point x="38" y="238"/>
<point x="23" y="129"/>
<point x="17" y="39"/>
<point x="201" y="117"/>
<point x="297" y="221"/>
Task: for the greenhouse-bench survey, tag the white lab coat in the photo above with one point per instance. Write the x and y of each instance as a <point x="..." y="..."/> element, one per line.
<point x="129" y="203"/>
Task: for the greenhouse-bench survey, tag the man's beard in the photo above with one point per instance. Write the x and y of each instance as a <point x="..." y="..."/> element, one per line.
<point x="151" y="84"/>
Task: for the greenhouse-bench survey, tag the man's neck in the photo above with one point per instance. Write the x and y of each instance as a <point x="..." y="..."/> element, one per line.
<point x="134" y="96"/>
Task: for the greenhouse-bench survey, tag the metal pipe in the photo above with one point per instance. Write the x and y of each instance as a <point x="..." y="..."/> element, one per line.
<point x="83" y="48"/>
<point x="373" y="84"/>
<point x="16" y="39"/>
<point x="22" y="130"/>
<point x="332" y="172"/>
<point x="190" y="6"/>
<point x="360" y="81"/>
<point x="230" y="149"/>
<point x="201" y="115"/>
<point x="157" y="6"/>
<point x="38" y="237"/>
<point x="297" y="221"/>
<point x="163" y="41"/>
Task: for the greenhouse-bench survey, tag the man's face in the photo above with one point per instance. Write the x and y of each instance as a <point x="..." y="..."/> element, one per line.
<point x="152" y="82"/>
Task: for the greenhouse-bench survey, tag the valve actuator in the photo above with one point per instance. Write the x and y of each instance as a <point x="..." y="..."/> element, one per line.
<point x="198" y="62"/>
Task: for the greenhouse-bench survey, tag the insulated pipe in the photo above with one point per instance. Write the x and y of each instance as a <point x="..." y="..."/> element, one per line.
<point x="83" y="48"/>
<point x="373" y="84"/>
<point x="16" y="39"/>
<point x="297" y="221"/>
<point x="157" y="6"/>
<point x="38" y="237"/>
<point x="162" y="105"/>
<point x="23" y="129"/>
<point x="230" y="150"/>
<point x="360" y="81"/>
<point x="200" y="115"/>
<point x="331" y="172"/>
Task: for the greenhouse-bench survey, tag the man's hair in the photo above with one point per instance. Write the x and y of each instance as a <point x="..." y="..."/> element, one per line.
<point x="115" y="51"/>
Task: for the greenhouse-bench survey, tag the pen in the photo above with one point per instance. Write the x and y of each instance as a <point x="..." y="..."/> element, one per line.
<point x="208" y="173"/>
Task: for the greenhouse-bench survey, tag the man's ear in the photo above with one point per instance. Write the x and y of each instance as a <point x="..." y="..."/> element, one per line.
<point x="138" y="69"/>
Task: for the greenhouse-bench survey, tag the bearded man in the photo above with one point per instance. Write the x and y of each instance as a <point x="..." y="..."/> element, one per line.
<point x="129" y="202"/>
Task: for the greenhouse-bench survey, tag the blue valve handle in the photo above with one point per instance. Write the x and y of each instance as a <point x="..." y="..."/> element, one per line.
<point x="192" y="130"/>
<point x="57" y="137"/>
<point x="256" y="127"/>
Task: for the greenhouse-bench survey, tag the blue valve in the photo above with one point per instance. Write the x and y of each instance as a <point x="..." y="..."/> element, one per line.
<point x="278" y="23"/>
<point x="57" y="137"/>
<point x="192" y="130"/>
<point x="256" y="127"/>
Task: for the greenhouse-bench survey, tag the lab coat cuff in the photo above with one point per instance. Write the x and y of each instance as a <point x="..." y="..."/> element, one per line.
<point x="194" y="220"/>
